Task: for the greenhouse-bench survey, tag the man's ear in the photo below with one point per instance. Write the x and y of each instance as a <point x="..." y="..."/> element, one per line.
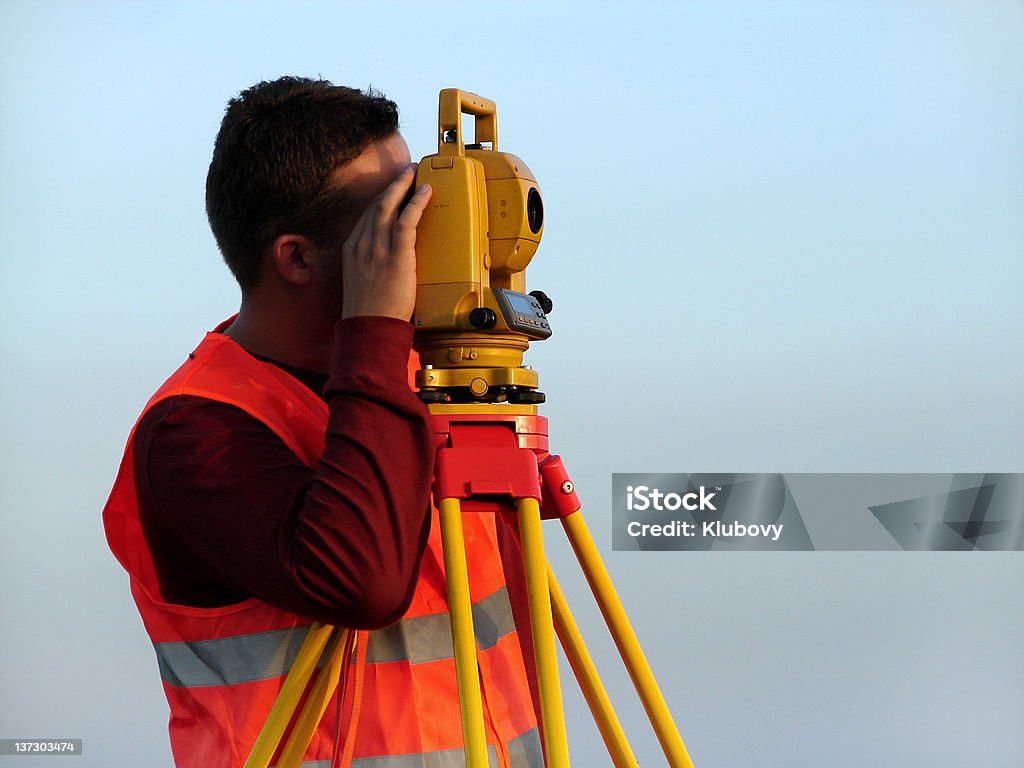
<point x="293" y="258"/>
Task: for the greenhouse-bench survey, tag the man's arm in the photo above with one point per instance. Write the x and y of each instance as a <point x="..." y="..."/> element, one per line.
<point x="230" y="512"/>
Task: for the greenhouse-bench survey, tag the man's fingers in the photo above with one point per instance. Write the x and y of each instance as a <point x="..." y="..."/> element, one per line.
<point x="416" y="206"/>
<point x="405" y="228"/>
<point x="380" y="257"/>
<point x="388" y="201"/>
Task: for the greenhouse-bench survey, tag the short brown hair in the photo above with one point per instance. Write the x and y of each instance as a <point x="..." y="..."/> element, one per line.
<point x="277" y="146"/>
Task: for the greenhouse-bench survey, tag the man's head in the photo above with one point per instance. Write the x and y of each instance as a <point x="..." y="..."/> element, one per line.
<point x="274" y="164"/>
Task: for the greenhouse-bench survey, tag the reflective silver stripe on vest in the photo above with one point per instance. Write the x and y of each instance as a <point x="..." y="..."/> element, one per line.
<point x="523" y="752"/>
<point x="266" y="655"/>
<point x="446" y="758"/>
<point x="230" y="660"/>
<point x="526" y="751"/>
<point x="429" y="638"/>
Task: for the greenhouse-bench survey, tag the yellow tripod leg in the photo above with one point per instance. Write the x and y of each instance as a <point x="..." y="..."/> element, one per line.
<point x="287" y="700"/>
<point x="316" y="703"/>
<point x="626" y="641"/>
<point x="589" y="680"/>
<point x="556" y="745"/>
<point x="460" y="609"/>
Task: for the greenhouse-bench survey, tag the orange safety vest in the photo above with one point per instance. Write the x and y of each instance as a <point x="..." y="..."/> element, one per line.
<point x="397" y="706"/>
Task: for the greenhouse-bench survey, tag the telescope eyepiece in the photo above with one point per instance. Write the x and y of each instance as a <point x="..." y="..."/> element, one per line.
<point x="483" y="318"/>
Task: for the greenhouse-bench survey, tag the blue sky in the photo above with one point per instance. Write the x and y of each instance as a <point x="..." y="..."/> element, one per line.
<point x="780" y="237"/>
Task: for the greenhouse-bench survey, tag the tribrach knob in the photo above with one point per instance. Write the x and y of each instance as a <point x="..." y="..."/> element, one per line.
<point x="545" y="303"/>
<point x="483" y="318"/>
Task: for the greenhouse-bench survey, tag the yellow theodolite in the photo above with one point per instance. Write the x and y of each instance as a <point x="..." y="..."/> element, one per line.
<point x="473" y="318"/>
<point x="473" y="322"/>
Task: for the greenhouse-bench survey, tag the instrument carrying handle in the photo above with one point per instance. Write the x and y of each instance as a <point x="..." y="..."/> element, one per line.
<point x="452" y="105"/>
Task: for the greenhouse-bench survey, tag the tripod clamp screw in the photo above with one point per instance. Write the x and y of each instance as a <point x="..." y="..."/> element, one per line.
<point x="559" y="492"/>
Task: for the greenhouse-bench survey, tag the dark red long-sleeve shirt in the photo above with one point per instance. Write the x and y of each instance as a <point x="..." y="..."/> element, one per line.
<point x="230" y="512"/>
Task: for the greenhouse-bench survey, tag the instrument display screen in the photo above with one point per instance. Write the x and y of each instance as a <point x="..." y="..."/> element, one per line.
<point x="523" y="313"/>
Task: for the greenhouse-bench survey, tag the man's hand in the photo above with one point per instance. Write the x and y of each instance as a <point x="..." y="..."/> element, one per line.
<point x="379" y="256"/>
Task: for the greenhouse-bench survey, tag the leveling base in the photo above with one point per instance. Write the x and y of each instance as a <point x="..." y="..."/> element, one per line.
<point x="477" y="386"/>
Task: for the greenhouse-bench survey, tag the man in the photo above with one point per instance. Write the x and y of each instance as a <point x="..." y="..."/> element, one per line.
<point x="282" y="474"/>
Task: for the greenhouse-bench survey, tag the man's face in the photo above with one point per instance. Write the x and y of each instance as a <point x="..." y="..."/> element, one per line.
<point x="367" y="175"/>
<point x="363" y="179"/>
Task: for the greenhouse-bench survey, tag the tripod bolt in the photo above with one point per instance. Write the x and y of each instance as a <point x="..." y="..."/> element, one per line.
<point x="567" y="487"/>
